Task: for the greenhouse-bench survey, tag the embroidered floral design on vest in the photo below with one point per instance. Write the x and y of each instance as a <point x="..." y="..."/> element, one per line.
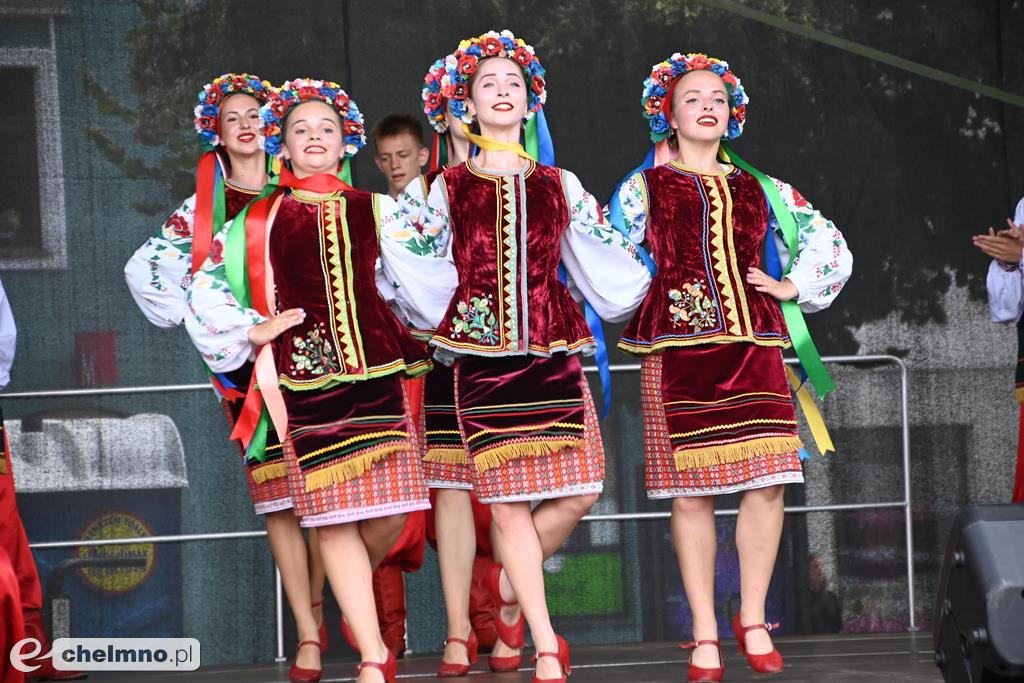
<point x="692" y="306"/>
<point x="314" y="353"/>
<point x="476" y="320"/>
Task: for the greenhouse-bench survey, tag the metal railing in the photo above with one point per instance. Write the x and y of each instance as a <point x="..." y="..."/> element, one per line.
<point x="905" y="504"/>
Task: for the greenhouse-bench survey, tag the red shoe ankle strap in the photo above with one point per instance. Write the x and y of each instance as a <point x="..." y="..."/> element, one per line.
<point x="459" y="641"/>
<point x="372" y="665"/>
<point x="755" y="627"/>
<point x="547" y="654"/>
<point x="697" y="643"/>
<point x="316" y="604"/>
<point x="307" y="642"/>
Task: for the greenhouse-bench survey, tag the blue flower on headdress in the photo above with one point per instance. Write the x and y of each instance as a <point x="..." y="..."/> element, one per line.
<point x="659" y="124"/>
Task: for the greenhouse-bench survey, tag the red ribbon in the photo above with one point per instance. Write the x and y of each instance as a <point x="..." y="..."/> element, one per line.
<point x="256" y="222"/>
<point x="202" y="225"/>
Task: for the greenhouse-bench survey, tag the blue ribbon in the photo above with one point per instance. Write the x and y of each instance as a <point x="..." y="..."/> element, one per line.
<point x="546" y="148"/>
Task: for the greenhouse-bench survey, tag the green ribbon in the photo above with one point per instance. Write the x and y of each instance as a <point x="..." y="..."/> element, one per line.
<point x="531" y="142"/>
<point x="806" y="352"/>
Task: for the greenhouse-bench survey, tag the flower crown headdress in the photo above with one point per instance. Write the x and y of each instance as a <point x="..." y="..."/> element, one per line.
<point x="207" y="110"/>
<point x="463" y="63"/>
<point x="299" y="90"/>
<point x="658" y="87"/>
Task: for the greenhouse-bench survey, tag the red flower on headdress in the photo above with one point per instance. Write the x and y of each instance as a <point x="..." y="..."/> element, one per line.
<point x="467" y="64"/>
<point x="457" y="91"/>
<point x="523" y="56"/>
<point x="352" y="127"/>
<point x="208" y="123"/>
<point x="664" y="77"/>
<point x="278" y="106"/>
<point x="213" y="95"/>
<point x="179" y="225"/>
<point x="729" y="78"/>
<point x="238" y="83"/>
<point x="490" y="46"/>
<point x="538" y="85"/>
<point x="699" y="62"/>
<point x="341" y="101"/>
<point x="308" y="92"/>
<point x="435" y="100"/>
<point x="653" y="104"/>
<point x="217" y="251"/>
<point x="273" y="130"/>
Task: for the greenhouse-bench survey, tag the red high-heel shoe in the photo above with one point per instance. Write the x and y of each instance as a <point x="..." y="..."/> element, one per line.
<point x="505" y="664"/>
<point x="512" y="635"/>
<point x="770" y="663"/>
<point x="563" y="659"/>
<point x="323" y="627"/>
<point x="698" y="674"/>
<point x="450" y="670"/>
<point x="388" y="669"/>
<point x="299" y="675"/>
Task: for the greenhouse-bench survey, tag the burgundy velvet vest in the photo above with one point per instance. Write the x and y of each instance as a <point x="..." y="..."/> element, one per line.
<point x="506" y="244"/>
<point x="235" y="199"/>
<point x="323" y="254"/>
<point x="704" y="231"/>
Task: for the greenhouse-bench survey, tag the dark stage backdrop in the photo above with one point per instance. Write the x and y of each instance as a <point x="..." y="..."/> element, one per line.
<point x="906" y="161"/>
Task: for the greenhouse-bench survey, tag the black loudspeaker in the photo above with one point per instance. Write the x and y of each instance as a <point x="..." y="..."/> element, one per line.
<point x="979" y="605"/>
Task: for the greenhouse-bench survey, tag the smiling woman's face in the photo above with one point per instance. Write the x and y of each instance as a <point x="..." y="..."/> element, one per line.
<point x="239" y="121"/>
<point x="497" y="93"/>
<point x="312" y="139"/>
<point x="700" y="107"/>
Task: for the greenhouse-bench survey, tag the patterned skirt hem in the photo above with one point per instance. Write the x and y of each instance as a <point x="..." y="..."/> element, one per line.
<point x="581" y="489"/>
<point x="266" y="506"/>
<point x="756" y="483"/>
<point x="356" y="514"/>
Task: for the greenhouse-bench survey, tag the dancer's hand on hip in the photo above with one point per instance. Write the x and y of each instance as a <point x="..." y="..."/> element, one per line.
<point x="271" y="329"/>
<point x="763" y="282"/>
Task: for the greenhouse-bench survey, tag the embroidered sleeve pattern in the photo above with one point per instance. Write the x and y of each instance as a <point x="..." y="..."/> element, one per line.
<point x="602" y="262"/>
<point x="417" y="276"/>
<point x="217" y="323"/>
<point x="823" y="261"/>
<point x="159" y="271"/>
<point x="633" y="198"/>
<point x="421" y="224"/>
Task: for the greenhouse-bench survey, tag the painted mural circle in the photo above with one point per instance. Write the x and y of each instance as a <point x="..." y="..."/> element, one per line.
<point x="117" y="579"/>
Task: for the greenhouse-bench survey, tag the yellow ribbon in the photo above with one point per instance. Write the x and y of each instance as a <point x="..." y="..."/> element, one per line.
<point x="492" y="145"/>
<point x="819" y="431"/>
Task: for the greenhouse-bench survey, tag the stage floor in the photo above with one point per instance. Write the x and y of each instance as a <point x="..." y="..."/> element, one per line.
<point x="835" y="659"/>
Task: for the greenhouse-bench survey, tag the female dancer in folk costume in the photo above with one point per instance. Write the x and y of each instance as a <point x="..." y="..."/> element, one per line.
<point x="718" y="414"/>
<point x="230" y="175"/>
<point x="461" y="523"/>
<point x="512" y="329"/>
<point x="330" y="363"/>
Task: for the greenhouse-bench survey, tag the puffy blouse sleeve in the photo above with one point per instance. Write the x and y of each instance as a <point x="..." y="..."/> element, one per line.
<point x="604" y="264"/>
<point x="216" y="321"/>
<point x="417" y="274"/>
<point x="823" y="262"/>
<point x="159" y="271"/>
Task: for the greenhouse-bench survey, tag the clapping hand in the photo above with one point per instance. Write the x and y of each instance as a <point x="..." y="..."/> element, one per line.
<point x="1004" y="246"/>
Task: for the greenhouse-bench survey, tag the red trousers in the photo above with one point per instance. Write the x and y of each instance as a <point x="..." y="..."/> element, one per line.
<point x="12" y="535"/>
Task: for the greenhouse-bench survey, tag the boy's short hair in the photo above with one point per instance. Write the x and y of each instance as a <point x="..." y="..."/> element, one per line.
<point x="396" y="124"/>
